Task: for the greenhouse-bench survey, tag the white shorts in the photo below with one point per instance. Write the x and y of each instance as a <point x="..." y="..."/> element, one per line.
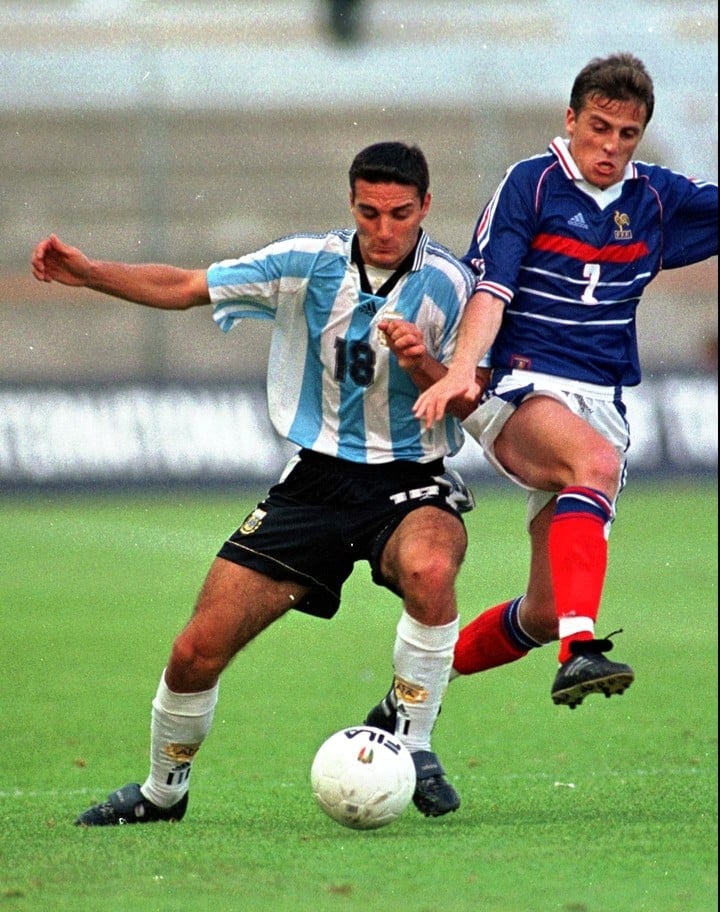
<point x="601" y="406"/>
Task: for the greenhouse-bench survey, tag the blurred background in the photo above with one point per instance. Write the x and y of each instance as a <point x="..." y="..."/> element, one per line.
<point x="188" y="132"/>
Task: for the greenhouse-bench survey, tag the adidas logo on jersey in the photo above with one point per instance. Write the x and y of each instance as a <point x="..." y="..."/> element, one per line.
<point x="577" y="221"/>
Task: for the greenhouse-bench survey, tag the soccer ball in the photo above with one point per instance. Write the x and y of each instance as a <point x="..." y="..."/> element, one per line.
<point x="363" y="777"/>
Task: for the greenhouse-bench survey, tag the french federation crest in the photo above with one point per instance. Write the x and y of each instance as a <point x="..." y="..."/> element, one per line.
<point x="622" y="221"/>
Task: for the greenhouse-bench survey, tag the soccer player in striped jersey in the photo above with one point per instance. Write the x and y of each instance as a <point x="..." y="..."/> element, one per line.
<point x="563" y="252"/>
<point x="368" y="481"/>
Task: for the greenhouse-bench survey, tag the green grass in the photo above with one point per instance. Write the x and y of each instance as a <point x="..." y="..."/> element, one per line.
<point x="608" y="808"/>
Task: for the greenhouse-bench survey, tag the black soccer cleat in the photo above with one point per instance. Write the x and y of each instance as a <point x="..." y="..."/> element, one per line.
<point x="129" y="805"/>
<point x="433" y="796"/>
<point x="588" y="671"/>
<point x="384" y="715"/>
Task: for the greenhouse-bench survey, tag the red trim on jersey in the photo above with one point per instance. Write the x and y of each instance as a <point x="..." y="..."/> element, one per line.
<point x="611" y="253"/>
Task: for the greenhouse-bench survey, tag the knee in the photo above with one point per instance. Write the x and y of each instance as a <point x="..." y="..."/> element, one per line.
<point x="603" y="469"/>
<point x="192" y="666"/>
<point x="430" y="573"/>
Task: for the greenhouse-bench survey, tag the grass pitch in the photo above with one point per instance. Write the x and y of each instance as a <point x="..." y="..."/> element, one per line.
<point x="611" y="807"/>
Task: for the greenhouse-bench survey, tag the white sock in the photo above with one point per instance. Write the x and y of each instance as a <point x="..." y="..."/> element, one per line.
<point x="423" y="657"/>
<point x="569" y="625"/>
<point x="178" y="727"/>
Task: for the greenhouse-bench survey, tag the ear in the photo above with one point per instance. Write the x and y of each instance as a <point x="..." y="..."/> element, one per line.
<point x="426" y="205"/>
<point x="570" y="120"/>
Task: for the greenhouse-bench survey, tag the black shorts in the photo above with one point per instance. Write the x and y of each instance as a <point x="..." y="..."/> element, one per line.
<point x="325" y="514"/>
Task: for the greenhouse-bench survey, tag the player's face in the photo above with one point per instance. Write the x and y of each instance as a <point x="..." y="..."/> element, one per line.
<point x="603" y="138"/>
<point x="388" y="218"/>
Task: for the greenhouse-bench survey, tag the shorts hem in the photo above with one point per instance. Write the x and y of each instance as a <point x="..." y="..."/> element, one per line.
<point x="319" y="602"/>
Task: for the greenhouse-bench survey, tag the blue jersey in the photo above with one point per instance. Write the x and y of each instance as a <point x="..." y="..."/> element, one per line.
<point x="333" y="385"/>
<point x="571" y="266"/>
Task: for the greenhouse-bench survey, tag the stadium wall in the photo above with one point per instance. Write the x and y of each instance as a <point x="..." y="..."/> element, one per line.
<point x="138" y="434"/>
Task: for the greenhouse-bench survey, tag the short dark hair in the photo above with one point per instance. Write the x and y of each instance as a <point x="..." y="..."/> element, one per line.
<point x="619" y="77"/>
<point x="391" y="163"/>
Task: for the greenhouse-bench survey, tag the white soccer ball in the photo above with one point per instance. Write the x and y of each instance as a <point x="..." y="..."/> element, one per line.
<point x="363" y="777"/>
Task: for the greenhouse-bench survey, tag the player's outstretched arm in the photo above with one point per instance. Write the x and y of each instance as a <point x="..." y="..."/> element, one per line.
<point x="479" y="326"/>
<point x="154" y="285"/>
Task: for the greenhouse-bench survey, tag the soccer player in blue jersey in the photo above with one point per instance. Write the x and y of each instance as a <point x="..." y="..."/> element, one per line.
<point x="563" y="252"/>
<point x="368" y="481"/>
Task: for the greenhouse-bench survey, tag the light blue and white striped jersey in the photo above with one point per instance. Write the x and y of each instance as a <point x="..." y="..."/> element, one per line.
<point x="333" y="386"/>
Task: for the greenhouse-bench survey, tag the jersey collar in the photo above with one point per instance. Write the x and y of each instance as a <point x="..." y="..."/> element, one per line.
<point x="412" y="262"/>
<point x="560" y="149"/>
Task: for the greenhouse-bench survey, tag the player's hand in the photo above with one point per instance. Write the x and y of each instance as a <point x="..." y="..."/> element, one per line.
<point x="431" y="405"/>
<point x="54" y="261"/>
<point x="405" y="341"/>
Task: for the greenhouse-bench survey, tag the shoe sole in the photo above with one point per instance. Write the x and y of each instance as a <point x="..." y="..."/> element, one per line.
<point x="433" y="810"/>
<point x="612" y="685"/>
<point x="436" y="812"/>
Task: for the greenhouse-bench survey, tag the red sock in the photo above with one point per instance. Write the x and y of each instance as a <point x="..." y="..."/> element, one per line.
<point x="578" y="561"/>
<point x="487" y="641"/>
